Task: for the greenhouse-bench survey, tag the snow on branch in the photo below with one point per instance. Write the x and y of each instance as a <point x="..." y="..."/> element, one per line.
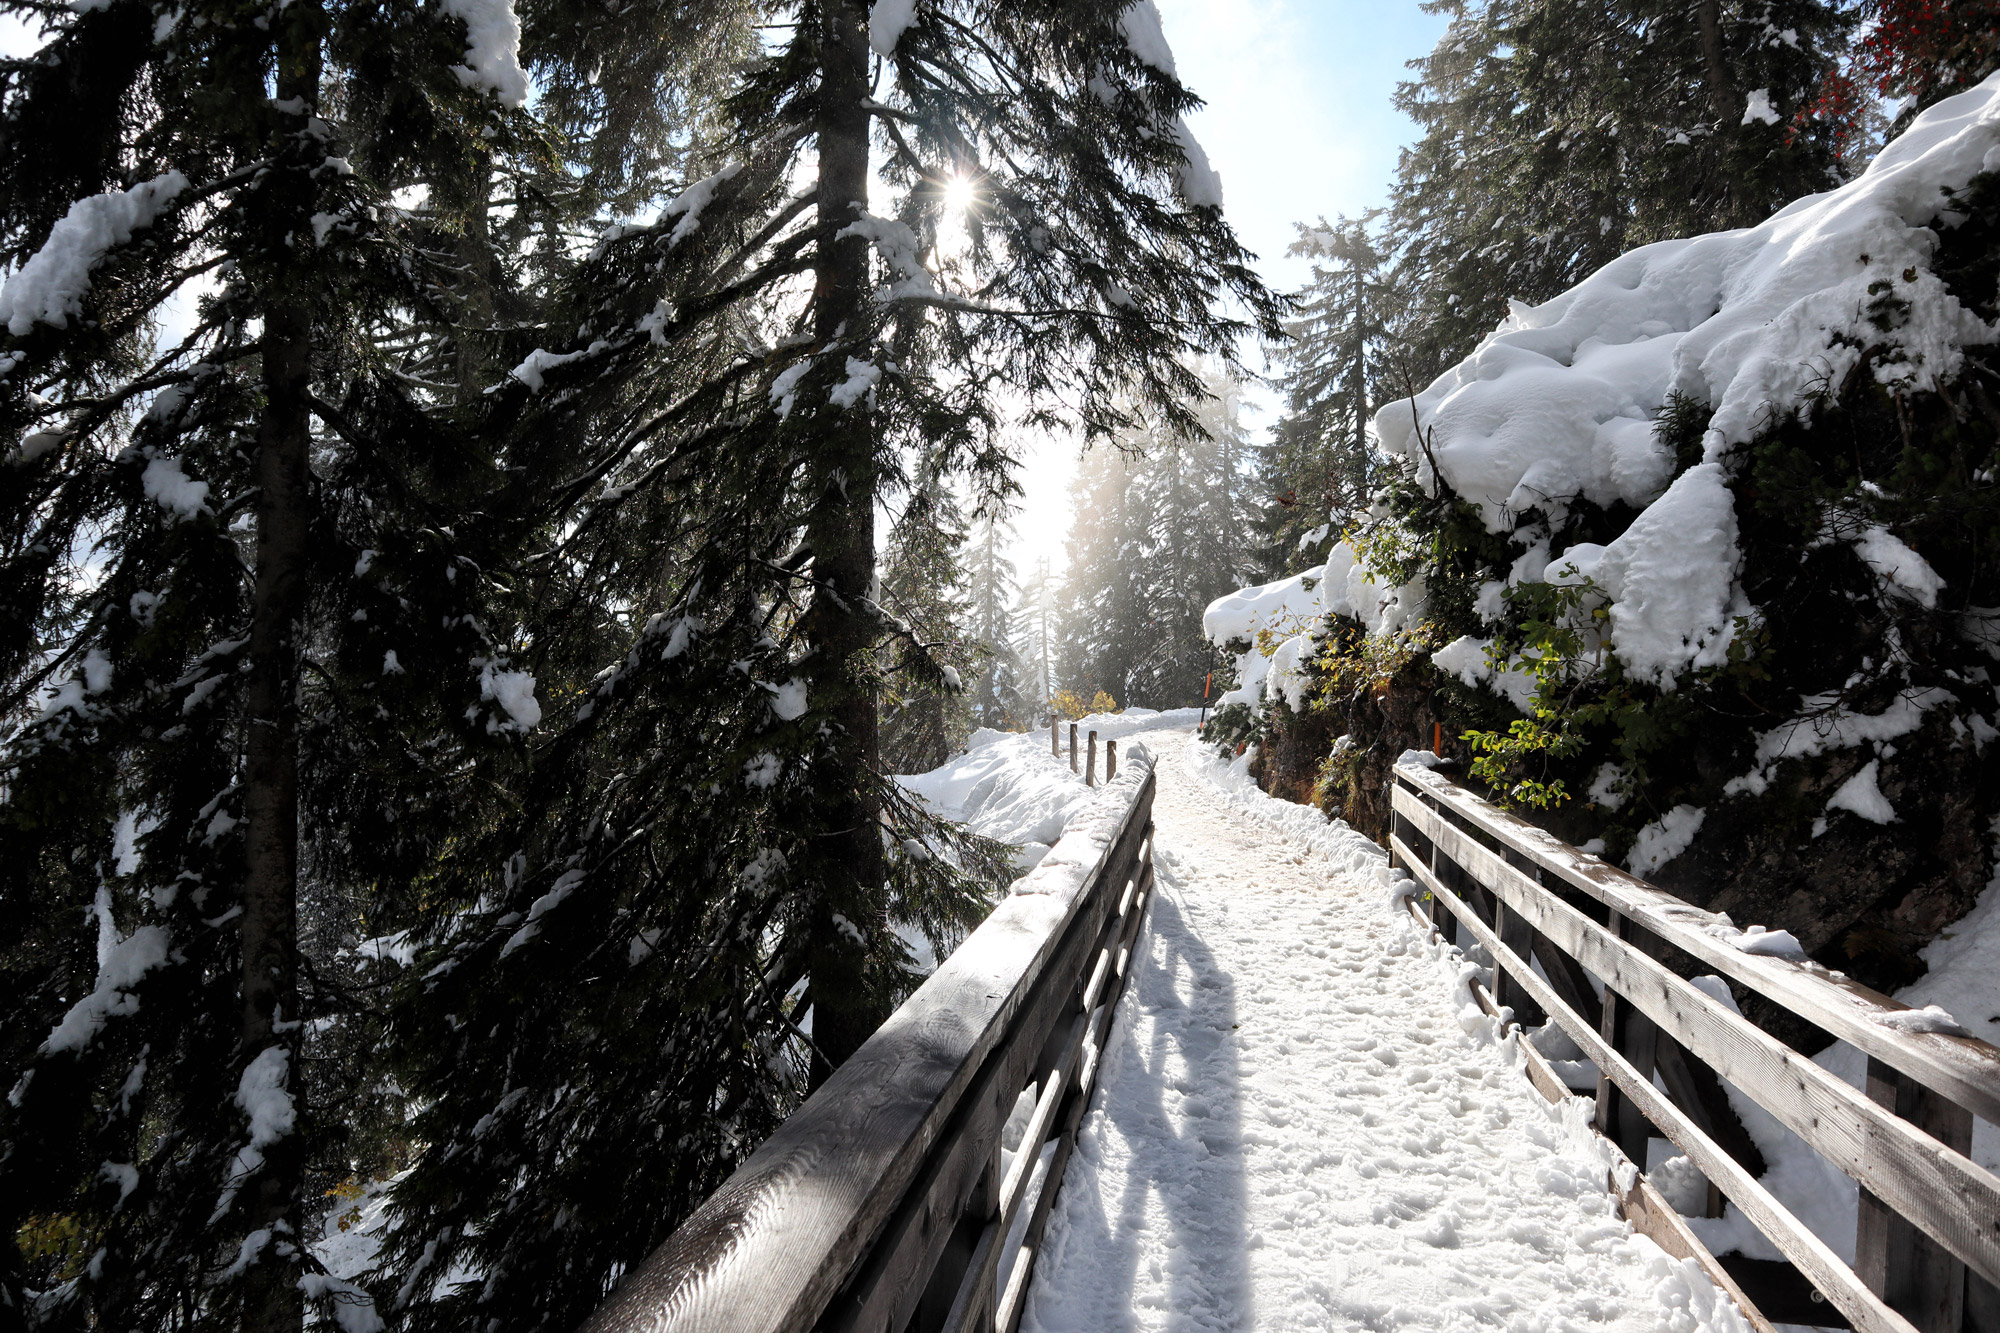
<point x="50" y="287"/>
<point x="492" y="49"/>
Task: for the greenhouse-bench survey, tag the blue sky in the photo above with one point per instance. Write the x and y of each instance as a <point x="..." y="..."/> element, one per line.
<point x="1299" y="123"/>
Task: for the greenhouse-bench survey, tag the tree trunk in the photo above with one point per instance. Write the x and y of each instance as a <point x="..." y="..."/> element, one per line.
<point x="1722" y="94"/>
<point x="841" y="532"/>
<point x="271" y="1299"/>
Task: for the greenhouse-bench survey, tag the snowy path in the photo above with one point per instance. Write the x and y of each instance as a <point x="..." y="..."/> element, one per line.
<point x="1295" y="1129"/>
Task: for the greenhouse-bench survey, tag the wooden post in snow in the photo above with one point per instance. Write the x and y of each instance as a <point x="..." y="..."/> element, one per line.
<point x="1090" y="764"/>
<point x="1110" y="760"/>
<point x="1072" y="748"/>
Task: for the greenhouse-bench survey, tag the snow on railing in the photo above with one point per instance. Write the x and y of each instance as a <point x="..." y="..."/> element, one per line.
<point x="1927" y="1252"/>
<point x="890" y="1200"/>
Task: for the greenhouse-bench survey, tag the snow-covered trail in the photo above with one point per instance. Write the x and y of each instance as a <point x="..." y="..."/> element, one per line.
<point x="1295" y="1126"/>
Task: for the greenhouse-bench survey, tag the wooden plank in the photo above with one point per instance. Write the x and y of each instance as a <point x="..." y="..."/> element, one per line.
<point x="1570" y="980"/>
<point x="1812" y="1256"/>
<point x="1013" y="1301"/>
<point x="1899" y="1264"/>
<point x="1696" y="1090"/>
<point x="1783" y="1293"/>
<point x="1649" y="1214"/>
<point x="1964" y="1069"/>
<point x="1951" y="1198"/>
<point x="768" y="1251"/>
<point x="973" y="1307"/>
<point x="888" y="1285"/>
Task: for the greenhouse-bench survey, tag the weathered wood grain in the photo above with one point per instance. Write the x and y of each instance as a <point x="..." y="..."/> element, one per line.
<point x="1812" y="1256"/>
<point x="771" y="1249"/>
<point x="1906" y="1269"/>
<point x="1649" y="1214"/>
<point x="1964" y="1069"/>
<point x="1946" y="1194"/>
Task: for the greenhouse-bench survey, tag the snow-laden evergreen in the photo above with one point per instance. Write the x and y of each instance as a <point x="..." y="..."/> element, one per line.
<point x="1160" y="527"/>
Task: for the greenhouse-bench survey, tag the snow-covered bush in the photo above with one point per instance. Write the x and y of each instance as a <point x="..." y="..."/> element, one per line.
<point x="1712" y="534"/>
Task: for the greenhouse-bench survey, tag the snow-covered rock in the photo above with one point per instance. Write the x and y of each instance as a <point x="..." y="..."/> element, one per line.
<point x="1559" y="403"/>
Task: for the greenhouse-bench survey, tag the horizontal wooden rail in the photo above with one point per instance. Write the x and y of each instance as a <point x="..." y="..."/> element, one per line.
<point x="887" y="1202"/>
<point x="1928" y="1211"/>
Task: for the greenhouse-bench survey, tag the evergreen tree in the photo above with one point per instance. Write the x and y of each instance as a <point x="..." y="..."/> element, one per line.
<point x="1319" y="469"/>
<point x="1102" y="609"/>
<point x="1034" y="619"/>
<point x="996" y="691"/>
<point x="195" y="640"/>
<point x="925" y="586"/>
<point x="1554" y="137"/>
<point x="683" y="912"/>
<point x="1163" y="527"/>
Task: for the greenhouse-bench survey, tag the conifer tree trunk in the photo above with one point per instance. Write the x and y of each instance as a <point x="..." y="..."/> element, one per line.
<point x="1358" y="388"/>
<point x="841" y="532"/>
<point x="1722" y="94"/>
<point x="272" y="1302"/>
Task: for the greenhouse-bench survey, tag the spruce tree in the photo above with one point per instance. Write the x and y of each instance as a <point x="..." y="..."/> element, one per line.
<point x="1554" y="137"/>
<point x="1163" y="526"/>
<point x="1034" y="620"/>
<point x="925" y="720"/>
<point x="1319" y="470"/>
<point x="685" y="909"/>
<point x="995" y="691"/>
<point x="213" y="447"/>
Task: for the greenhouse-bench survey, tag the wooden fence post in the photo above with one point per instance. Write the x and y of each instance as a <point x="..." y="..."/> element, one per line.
<point x="1090" y="764"/>
<point x="1055" y="738"/>
<point x="1634" y="1036"/>
<point x="1913" y="1274"/>
<point x="1072" y="747"/>
<point x="1110" y="760"/>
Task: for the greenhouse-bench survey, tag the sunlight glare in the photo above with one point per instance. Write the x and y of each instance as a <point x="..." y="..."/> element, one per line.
<point x="957" y="195"/>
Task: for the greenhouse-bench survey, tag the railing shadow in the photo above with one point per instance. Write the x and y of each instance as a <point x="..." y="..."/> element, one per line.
<point x="1172" y="1100"/>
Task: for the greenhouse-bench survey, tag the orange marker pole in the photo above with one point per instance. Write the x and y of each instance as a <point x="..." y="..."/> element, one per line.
<point x="1437" y="739"/>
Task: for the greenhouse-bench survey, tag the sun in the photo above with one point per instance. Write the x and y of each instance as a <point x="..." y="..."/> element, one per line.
<point x="958" y="192"/>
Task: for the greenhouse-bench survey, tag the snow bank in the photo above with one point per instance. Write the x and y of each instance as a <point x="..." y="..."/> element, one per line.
<point x="1007" y="786"/>
<point x="1291" y="611"/>
<point x="1559" y="403"/>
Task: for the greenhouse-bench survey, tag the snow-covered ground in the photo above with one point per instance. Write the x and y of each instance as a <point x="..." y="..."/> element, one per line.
<point x="1008" y="786"/>
<point x="1302" y="1123"/>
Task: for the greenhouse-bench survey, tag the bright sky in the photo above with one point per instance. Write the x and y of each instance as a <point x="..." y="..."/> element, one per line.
<point x="1298" y="123"/>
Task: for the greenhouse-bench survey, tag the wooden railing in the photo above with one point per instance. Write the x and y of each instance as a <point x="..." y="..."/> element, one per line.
<point x="888" y="1201"/>
<point x="1614" y="953"/>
